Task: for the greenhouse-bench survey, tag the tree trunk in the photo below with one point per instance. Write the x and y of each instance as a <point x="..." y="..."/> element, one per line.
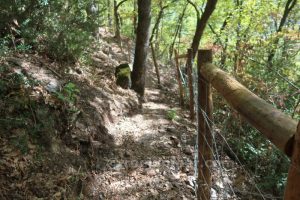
<point x="179" y="23"/>
<point x="117" y="19"/>
<point x="117" y="22"/>
<point x="201" y="23"/>
<point x="180" y="86"/>
<point x="141" y="48"/>
<point x="159" y="17"/>
<point x="290" y="4"/>
<point x="155" y="64"/>
<point x="190" y="80"/>
<point x="237" y="59"/>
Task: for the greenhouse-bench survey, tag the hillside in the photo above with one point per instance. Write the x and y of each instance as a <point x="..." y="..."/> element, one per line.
<point x="75" y="133"/>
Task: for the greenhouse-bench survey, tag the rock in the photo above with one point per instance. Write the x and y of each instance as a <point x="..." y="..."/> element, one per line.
<point x="191" y="181"/>
<point x="185" y="169"/>
<point x="213" y="194"/>
<point x="118" y="167"/>
<point x="149" y="172"/>
<point x="147" y="164"/>
<point x="123" y="75"/>
<point x="53" y="86"/>
<point x="174" y="176"/>
<point x="101" y="196"/>
<point x="167" y="186"/>
<point x="175" y="141"/>
<point x="188" y="150"/>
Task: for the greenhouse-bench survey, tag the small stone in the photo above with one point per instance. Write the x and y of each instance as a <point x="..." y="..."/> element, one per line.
<point x="101" y="196"/>
<point x="213" y="194"/>
<point x="174" y="176"/>
<point x="188" y="150"/>
<point x="118" y="167"/>
<point x="185" y="169"/>
<point x="190" y="181"/>
<point x="167" y="186"/>
<point x="147" y="164"/>
<point x="150" y="172"/>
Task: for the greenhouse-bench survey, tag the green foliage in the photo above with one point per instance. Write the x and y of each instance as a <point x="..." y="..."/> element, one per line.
<point x="60" y="29"/>
<point x="68" y="93"/>
<point x="4" y="48"/>
<point x="258" y="155"/>
<point x="172" y="114"/>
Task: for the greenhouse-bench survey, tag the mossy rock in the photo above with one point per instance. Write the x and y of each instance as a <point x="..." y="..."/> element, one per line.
<point x="123" y="75"/>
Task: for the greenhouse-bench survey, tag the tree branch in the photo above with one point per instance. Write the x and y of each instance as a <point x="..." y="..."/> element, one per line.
<point x="195" y="7"/>
<point x="120" y="3"/>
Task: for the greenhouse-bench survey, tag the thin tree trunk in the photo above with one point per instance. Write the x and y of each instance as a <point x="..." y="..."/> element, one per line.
<point x="117" y="22"/>
<point x="201" y="23"/>
<point x="155" y="31"/>
<point x="179" y="23"/>
<point x="155" y="64"/>
<point x="141" y="48"/>
<point x="180" y="86"/>
<point x="117" y="19"/>
<point x="290" y="4"/>
<point x="190" y="80"/>
<point x="159" y="17"/>
<point x="238" y="38"/>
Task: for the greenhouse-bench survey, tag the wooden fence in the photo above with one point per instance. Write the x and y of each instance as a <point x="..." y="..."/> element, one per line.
<point x="276" y="126"/>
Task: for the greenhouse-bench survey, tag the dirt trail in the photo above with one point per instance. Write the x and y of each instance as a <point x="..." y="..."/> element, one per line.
<point x="154" y="158"/>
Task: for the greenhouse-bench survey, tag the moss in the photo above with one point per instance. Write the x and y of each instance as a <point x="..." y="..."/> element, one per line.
<point x="123" y="75"/>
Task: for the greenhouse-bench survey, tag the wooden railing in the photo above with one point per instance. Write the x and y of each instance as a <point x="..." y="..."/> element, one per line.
<point x="276" y="126"/>
<point x="279" y="128"/>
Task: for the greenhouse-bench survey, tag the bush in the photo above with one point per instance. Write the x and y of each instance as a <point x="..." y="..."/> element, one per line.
<point x="63" y="30"/>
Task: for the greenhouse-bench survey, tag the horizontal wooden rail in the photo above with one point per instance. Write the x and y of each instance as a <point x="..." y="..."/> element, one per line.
<point x="275" y="125"/>
<point x="181" y="56"/>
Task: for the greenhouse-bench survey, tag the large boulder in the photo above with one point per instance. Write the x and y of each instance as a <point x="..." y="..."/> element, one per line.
<point x="123" y="75"/>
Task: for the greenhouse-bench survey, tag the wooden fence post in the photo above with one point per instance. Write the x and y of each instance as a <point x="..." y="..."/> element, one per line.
<point x="204" y="128"/>
<point x="191" y="88"/>
<point x="181" y="96"/>
<point x="292" y="191"/>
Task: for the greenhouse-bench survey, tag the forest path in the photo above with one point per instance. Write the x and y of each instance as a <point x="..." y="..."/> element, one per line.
<point x="154" y="158"/>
